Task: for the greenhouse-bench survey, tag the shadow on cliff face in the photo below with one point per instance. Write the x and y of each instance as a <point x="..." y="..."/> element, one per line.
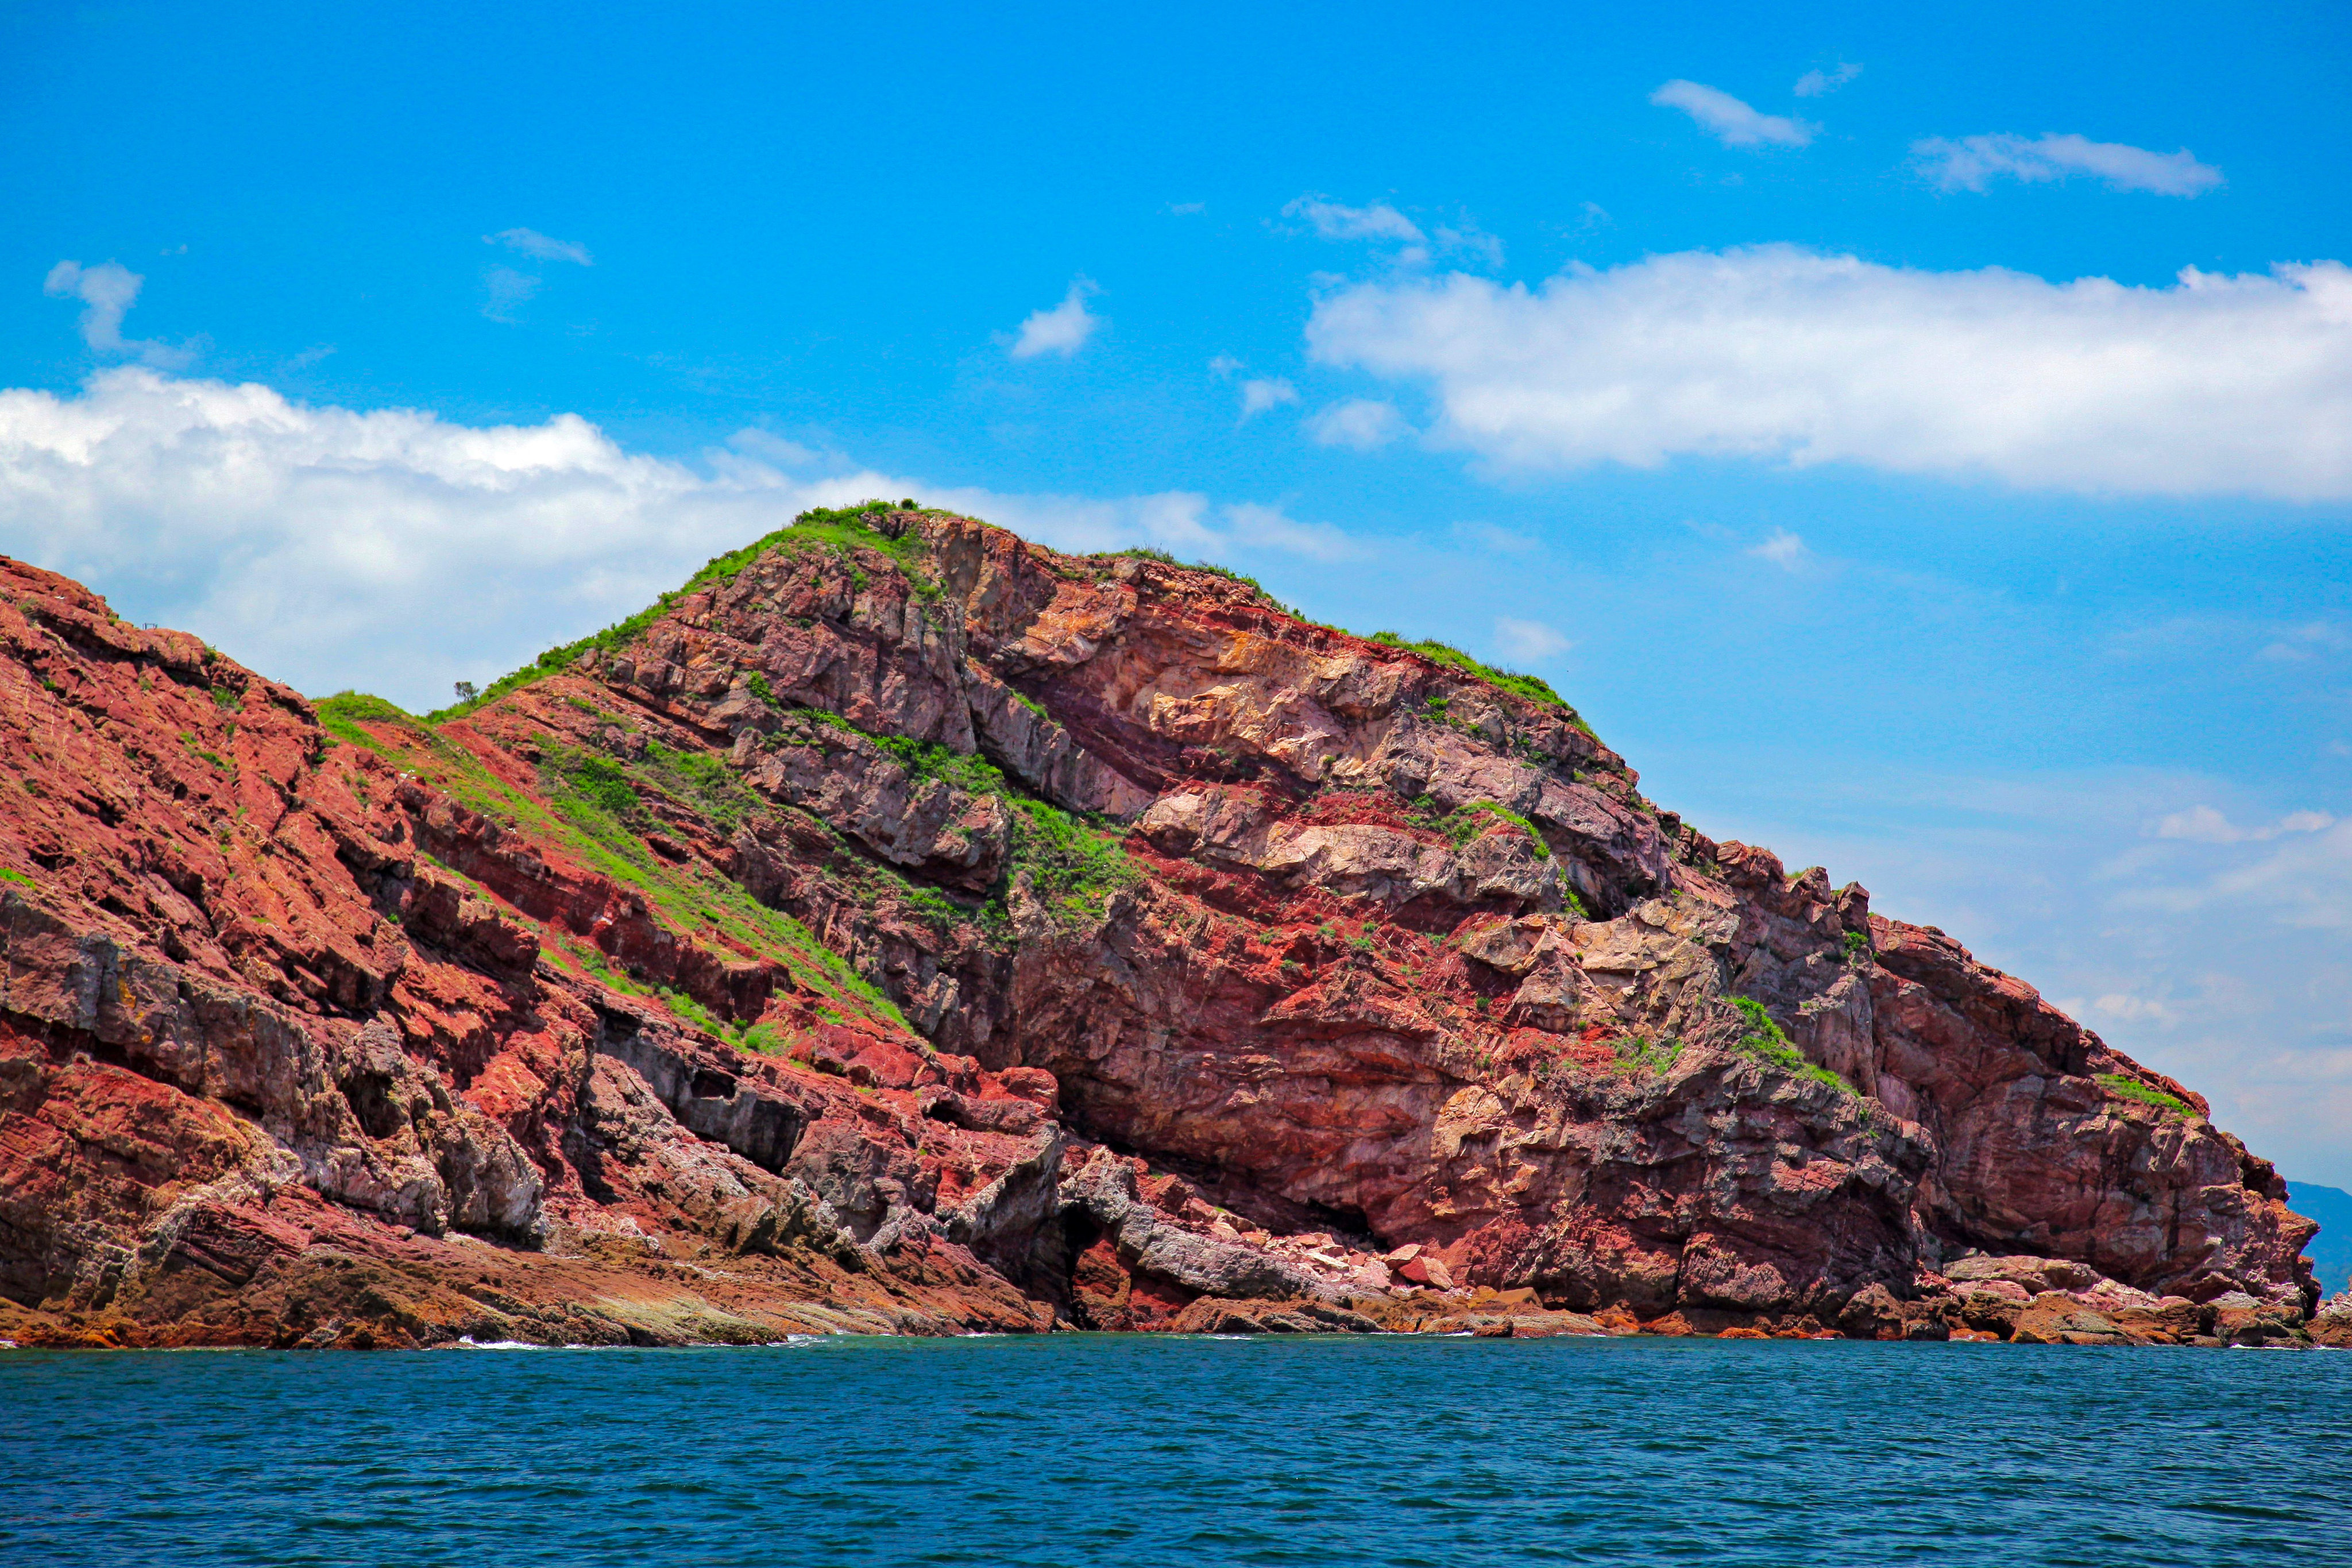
<point x="903" y="926"/>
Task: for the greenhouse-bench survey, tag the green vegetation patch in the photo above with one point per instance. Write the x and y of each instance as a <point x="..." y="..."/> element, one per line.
<point x="1076" y="865"/>
<point x="691" y="897"/>
<point x="342" y="715"/>
<point x="2123" y="1088"/>
<point x="1766" y="1038"/>
<point x="1074" y="868"/>
<point x="18" y="877"/>
<point x="1465" y="822"/>
<point x="1636" y="1055"/>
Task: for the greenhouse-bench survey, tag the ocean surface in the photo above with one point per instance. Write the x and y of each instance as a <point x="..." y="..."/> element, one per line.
<point x="1182" y="1452"/>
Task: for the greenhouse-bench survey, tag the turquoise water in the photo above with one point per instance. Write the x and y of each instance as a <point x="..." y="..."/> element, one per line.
<point x="1117" y="1451"/>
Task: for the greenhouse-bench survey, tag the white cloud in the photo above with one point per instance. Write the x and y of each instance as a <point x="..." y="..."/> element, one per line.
<point x="2129" y="1009"/>
<point x="1730" y="122"/>
<point x="1188" y="209"/>
<point x="1272" y="392"/>
<point x="1063" y="330"/>
<point x="505" y="291"/>
<point x="1820" y="83"/>
<point x="2303" y="878"/>
<point x="2214" y="384"/>
<point x="530" y="242"/>
<point x="1362" y="423"/>
<point x="1224" y="367"/>
<point x="2203" y="825"/>
<point x="1246" y="524"/>
<point x="1529" y="640"/>
<point x="107" y="292"/>
<point x="1383" y="223"/>
<point x="1973" y="162"/>
<point x="1783" y="549"/>
<point x="1333" y="221"/>
<point x="396" y="552"/>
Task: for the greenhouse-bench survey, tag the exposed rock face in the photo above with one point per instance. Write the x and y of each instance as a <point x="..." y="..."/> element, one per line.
<point x="912" y="928"/>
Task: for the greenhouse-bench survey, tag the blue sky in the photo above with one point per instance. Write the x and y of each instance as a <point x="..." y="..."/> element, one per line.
<point x="1780" y="428"/>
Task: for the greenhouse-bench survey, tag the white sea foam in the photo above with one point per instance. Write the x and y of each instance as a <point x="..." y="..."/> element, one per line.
<point x="468" y="1343"/>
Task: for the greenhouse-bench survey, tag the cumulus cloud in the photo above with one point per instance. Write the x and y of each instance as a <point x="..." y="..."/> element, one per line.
<point x="1271" y="392"/>
<point x="530" y="242"/>
<point x="1730" y="120"/>
<point x="1973" y="162"/>
<point x="1529" y="640"/>
<point x="1362" y="423"/>
<point x="107" y="292"/>
<point x="397" y="552"/>
<point x="2214" y="384"/>
<point x="1063" y="330"/>
<point x="1820" y="83"/>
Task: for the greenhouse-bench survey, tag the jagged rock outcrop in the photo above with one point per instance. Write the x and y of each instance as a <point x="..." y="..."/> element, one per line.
<point x="909" y="929"/>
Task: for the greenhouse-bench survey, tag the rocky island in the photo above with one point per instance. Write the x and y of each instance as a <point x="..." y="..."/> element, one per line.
<point x="906" y="928"/>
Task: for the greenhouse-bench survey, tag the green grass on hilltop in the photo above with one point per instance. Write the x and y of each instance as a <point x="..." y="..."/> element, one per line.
<point x="1534" y="688"/>
<point x="847" y="529"/>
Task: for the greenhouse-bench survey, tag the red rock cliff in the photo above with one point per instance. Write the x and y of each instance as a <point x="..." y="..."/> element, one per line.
<point x="908" y="927"/>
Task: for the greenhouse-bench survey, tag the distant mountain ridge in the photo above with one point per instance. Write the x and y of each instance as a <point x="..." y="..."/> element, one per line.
<point x="904" y="928"/>
<point x="2331" y="1250"/>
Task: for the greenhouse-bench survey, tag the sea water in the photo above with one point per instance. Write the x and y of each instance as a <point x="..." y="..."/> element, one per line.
<point x="1086" y="1450"/>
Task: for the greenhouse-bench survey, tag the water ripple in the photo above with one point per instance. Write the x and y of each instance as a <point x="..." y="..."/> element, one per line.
<point x="1116" y="1451"/>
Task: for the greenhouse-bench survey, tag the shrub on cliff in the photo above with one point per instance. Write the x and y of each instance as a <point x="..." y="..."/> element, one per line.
<point x="2131" y="1088"/>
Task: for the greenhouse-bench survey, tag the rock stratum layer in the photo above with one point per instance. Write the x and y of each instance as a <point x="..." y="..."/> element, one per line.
<point x="906" y="928"/>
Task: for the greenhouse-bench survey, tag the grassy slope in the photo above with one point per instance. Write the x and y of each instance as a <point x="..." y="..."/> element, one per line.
<point x="584" y="824"/>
